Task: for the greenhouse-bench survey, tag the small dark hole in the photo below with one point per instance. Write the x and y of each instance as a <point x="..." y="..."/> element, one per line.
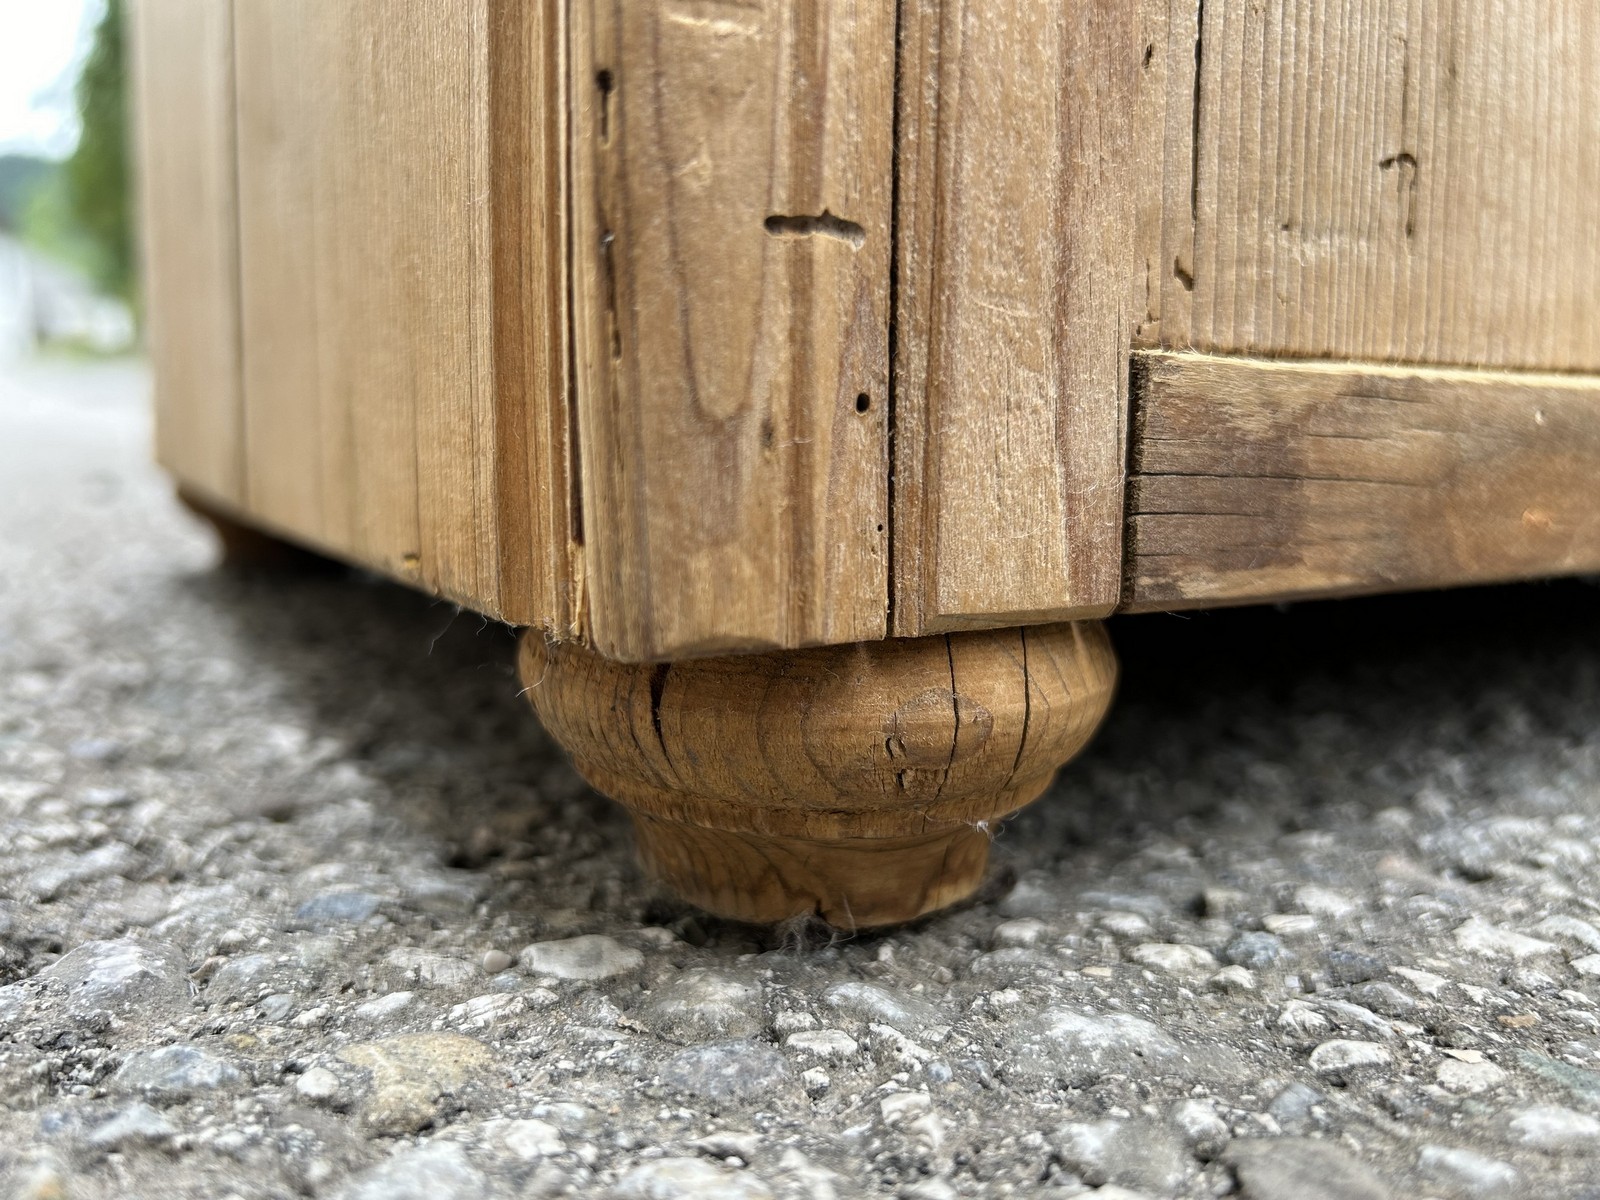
<point x="863" y="402"/>
<point x="880" y="528"/>
<point x="603" y="81"/>
<point x="1149" y="53"/>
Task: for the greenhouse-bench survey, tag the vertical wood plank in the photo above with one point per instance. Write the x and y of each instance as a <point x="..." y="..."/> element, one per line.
<point x="732" y="194"/>
<point x="1017" y="217"/>
<point x="184" y="112"/>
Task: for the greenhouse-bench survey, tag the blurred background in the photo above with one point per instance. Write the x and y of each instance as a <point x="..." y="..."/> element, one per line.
<point x="67" y="265"/>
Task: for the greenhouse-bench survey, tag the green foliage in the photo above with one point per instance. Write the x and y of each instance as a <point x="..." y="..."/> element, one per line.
<point x="96" y="176"/>
<point x="21" y="175"/>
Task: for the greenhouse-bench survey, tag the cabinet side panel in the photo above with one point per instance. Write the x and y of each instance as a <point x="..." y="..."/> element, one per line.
<point x="1406" y="181"/>
<point x="731" y="241"/>
<point x="1019" y="197"/>
<point x="183" y="105"/>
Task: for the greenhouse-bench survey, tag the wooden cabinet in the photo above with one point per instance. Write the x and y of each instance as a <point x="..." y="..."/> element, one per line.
<point x="673" y="329"/>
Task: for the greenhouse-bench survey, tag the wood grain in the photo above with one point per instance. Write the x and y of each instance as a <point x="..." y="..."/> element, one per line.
<point x="1384" y="180"/>
<point x="731" y="233"/>
<point x="182" y="57"/>
<point x="403" y="281"/>
<point x="1017" y="278"/>
<point x="857" y="782"/>
<point x="1256" y="481"/>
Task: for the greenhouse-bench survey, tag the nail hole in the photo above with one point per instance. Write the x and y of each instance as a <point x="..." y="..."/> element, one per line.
<point x="604" y="81"/>
<point x="863" y="402"/>
<point x="824" y="224"/>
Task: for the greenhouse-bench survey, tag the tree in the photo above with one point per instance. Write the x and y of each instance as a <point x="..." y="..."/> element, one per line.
<point x="97" y="172"/>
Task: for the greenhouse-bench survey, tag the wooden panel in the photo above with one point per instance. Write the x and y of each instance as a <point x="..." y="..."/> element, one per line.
<point x="1257" y="481"/>
<point x="732" y="183"/>
<point x="403" y="283"/>
<point x="1392" y="180"/>
<point x="183" y="105"/>
<point x="1018" y="275"/>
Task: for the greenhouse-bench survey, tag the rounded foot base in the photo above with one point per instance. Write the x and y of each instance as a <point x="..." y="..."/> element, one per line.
<point x="855" y="783"/>
<point x="246" y="548"/>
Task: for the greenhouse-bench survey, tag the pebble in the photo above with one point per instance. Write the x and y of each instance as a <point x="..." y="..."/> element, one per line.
<point x="825" y="1044"/>
<point x="411" y="1074"/>
<point x="317" y="1086"/>
<point x="588" y="958"/>
<point x="434" y="1171"/>
<point x="1234" y="980"/>
<point x="240" y="978"/>
<point x="1290" y="924"/>
<point x="1588" y="965"/>
<point x="1468" y="1078"/>
<point x="869" y="1002"/>
<point x="1300" y="1019"/>
<point x="1474" y="1173"/>
<point x="495" y="961"/>
<point x="136" y="1125"/>
<point x="1477" y="936"/>
<point x="726" y="1071"/>
<point x="1351" y="966"/>
<point x="1076" y="1048"/>
<point x="172" y="1073"/>
<point x="699" y="1004"/>
<point x="426" y="969"/>
<point x="1294" y="1108"/>
<point x="1024" y="931"/>
<point x="1136" y="1154"/>
<point x="1255" y="950"/>
<point x="1570" y="928"/>
<point x="532" y="1139"/>
<point x="1553" y="1128"/>
<point x="383" y="1007"/>
<point x="122" y="976"/>
<point x="1324" y="902"/>
<point x="1383" y="998"/>
<point x="1200" y="1127"/>
<point x="1175" y="958"/>
<point x="333" y="909"/>
<point x="488" y="1010"/>
<point x="1342" y="1057"/>
<point x="1294" y="1168"/>
<point x="689" y="1179"/>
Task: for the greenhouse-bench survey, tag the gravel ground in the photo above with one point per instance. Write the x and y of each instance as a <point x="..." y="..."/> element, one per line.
<point x="296" y="899"/>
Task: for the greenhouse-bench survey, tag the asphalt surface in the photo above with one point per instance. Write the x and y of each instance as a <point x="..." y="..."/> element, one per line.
<point x="297" y="900"/>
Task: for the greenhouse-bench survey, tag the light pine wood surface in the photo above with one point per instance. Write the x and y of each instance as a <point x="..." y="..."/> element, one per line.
<point x="1255" y="481"/>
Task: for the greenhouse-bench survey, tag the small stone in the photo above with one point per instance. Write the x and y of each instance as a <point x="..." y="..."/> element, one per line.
<point x="1076" y="1048"/>
<point x="1290" y="924"/>
<point x="123" y="976"/>
<point x="383" y="1007"/>
<point x="815" y="1081"/>
<point x="1301" y="1020"/>
<point x="433" y="1171"/>
<point x="136" y="1125"/>
<point x="689" y="1179"/>
<point x="1024" y="931"/>
<point x="1125" y="924"/>
<point x="1469" y="1171"/>
<point x="317" y="1086"/>
<point x="1588" y="965"/>
<point x="332" y="909"/>
<point x="1176" y="958"/>
<point x="1477" y="936"/>
<point x="1234" y="979"/>
<point x="1469" y="1078"/>
<point x="1294" y="1168"/>
<point x="1325" y="902"/>
<point x="726" y="1071"/>
<point x="1344" y="1058"/>
<point x="531" y="1139"/>
<point x="483" y="1012"/>
<point x="899" y="1106"/>
<point x="1294" y="1108"/>
<point x="1571" y="929"/>
<point x="276" y="1007"/>
<point x="1202" y="1130"/>
<point x="172" y="1073"/>
<point x="495" y="961"/>
<point x="1137" y="1154"/>
<point x="869" y="1002"/>
<point x="587" y="958"/>
<point x="1555" y="1129"/>
<point x="728" y="1143"/>
<point x="423" y="968"/>
<point x="1383" y="998"/>
<point x="1351" y="966"/>
<point x="1255" y="951"/>
<point x="412" y="1073"/>
<point x="701" y="1004"/>
<point x="239" y="978"/>
<point x="825" y="1044"/>
<point x="1425" y="982"/>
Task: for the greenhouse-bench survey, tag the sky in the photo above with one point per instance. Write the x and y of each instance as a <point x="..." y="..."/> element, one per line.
<point x="42" y="44"/>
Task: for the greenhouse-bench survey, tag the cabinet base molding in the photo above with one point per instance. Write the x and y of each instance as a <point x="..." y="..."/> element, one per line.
<point x="859" y="784"/>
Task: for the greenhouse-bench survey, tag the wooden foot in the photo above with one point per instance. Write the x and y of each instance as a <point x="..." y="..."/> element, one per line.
<point x="246" y="548"/>
<point x="856" y="783"/>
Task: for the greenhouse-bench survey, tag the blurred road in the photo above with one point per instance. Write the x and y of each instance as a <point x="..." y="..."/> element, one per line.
<point x="295" y="899"/>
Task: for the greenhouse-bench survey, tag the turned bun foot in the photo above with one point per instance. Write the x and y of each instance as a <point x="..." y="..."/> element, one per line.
<point x="855" y="783"/>
<point x="246" y="548"/>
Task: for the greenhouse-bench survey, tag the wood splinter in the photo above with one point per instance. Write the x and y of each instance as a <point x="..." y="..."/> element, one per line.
<point x="857" y="783"/>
